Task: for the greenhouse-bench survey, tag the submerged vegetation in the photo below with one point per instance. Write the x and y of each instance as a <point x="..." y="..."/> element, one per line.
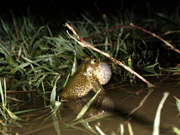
<point x="35" y="63"/>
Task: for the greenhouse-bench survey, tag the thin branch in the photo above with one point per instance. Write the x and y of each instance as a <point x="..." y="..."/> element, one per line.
<point x="84" y="44"/>
<point x="142" y="102"/>
<point x="140" y="28"/>
<point x="158" y="37"/>
<point x="14" y="99"/>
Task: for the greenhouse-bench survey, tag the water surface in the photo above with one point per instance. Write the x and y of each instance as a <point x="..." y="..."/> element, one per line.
<point x="126" y="97"/>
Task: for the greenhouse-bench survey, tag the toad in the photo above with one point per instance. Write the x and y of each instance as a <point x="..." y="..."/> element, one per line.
<point x="89" y="77"/>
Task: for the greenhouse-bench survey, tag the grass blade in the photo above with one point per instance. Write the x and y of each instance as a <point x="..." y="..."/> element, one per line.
<point x="56" y="125"/>
<point x="53" y="93"/>
<point x="86" y="124"/>
<point x="158" y="115"/>
<point x="2" y="95"/>
<point x="85" y="108"/>
<point x="177" y="103"/>
<point x="13" y="116"/>
<point x="176" y="130"/>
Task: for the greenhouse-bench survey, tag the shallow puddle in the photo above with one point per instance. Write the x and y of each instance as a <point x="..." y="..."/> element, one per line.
<point x="126" y="97"/>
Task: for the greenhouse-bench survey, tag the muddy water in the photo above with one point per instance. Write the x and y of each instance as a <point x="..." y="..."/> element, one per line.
<point x="126" y="97"/>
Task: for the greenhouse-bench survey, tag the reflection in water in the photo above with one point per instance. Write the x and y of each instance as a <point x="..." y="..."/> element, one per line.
<point x="101" y="105"/>
<point x="119" y="101"/>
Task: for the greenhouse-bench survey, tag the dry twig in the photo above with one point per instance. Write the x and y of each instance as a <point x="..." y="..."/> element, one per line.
<point x="140" y="28"/>
<point x="142" y="102"/>
<point x="156" y="36"/>
<point x="85" y="44"/>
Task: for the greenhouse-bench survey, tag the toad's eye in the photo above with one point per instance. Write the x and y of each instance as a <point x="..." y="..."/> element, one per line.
<point x="94" y="61"/>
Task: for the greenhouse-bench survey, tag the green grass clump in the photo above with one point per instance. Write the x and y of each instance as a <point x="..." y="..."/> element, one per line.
<point x="35" y="61"/>
<point x="29" y="56"/>
<point x="33" y="57"/>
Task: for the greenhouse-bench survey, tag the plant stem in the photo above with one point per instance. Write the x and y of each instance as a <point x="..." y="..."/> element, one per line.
<point x="85" y="44"/>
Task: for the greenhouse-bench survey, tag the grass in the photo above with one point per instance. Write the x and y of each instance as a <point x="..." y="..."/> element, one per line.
<point x="156" y="126"/>
<point x="35" y="61"/>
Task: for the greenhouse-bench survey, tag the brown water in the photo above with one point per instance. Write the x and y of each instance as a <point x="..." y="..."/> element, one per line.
<point x="126" y="97"/>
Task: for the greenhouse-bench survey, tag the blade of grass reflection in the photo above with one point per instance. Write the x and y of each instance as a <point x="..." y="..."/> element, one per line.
<point x="66" y="126"/>
<point x="71" y="124"/>
<point x="56" y="125"/>
<point x="89" y="119"/>
<point x="85" y="108"/>
<point x="88" y="126"/>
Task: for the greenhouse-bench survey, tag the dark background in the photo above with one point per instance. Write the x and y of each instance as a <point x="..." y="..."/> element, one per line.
<point x="56" y="12"/>
<point x="64" y="9"/>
